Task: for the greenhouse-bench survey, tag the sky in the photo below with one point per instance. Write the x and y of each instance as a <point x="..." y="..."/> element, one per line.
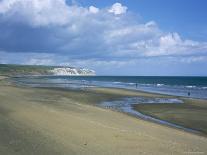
<point x="125" y="37"/>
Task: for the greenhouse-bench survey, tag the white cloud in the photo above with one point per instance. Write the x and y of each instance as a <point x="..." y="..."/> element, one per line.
<point x="87" y="33"/>
<point x="170" y="40"/>
<point x="36" y="12"/>
<point x="93" y="9"/>
<point x="173" y="44"/>
<point x="118" y="9"/>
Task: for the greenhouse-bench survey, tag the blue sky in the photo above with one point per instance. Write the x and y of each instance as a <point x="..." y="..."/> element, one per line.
<point x="142" y="37"/>
<point x="187" y="17"/>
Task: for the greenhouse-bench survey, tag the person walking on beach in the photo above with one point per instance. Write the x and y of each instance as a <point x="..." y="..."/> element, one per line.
<point x="136" y="85"/>
<point x="188" y="93"/>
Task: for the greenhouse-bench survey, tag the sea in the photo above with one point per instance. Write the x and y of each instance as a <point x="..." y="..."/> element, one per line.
<point x="192" y="87"/>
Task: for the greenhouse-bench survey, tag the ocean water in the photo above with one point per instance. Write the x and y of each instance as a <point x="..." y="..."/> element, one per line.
<point x="194" y="87"/>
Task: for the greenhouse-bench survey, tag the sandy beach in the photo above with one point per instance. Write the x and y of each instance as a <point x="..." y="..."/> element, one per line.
<point x="50" y="121"/>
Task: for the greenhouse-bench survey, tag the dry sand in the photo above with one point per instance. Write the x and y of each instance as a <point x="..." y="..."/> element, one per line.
<point x="42" y="121"/>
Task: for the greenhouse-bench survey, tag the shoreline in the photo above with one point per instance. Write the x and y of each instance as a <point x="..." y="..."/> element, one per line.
<point x="183" y="93"/>
<point x="134" y="93"/>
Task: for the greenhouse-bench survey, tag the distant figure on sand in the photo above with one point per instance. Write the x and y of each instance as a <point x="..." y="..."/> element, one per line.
<point x="188" y="93"/>
<point x="136" y="85"/>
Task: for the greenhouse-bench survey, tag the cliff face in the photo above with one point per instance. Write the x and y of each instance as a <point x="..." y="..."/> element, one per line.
<point x="71" y="71"/>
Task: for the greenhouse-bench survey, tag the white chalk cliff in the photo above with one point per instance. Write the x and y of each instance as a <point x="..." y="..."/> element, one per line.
<point x="72" y="71"/>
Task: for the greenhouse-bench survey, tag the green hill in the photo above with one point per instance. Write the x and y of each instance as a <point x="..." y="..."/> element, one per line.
<point x="15" y="70"/>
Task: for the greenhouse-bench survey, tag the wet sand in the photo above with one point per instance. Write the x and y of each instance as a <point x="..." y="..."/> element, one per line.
<point x="191" y="114"/>
<point x="49" y="121"/>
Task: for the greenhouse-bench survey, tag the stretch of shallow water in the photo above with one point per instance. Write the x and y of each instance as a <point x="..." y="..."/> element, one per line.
<point x="194" y="87"/>
<point x="126" y="105"/>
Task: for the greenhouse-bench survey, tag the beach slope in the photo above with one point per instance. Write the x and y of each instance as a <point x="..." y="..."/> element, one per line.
<point x="45" y="121"/>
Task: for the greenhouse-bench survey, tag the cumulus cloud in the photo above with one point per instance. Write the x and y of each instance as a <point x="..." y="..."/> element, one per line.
<point x="118" y="9"/>
<point x="93" y="9"/>
<point x="35" y="12"/>
<point x="76" y="32"/>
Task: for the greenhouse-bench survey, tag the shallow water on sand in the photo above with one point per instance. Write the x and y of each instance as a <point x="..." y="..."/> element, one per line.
<point x="126" y="105"/>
